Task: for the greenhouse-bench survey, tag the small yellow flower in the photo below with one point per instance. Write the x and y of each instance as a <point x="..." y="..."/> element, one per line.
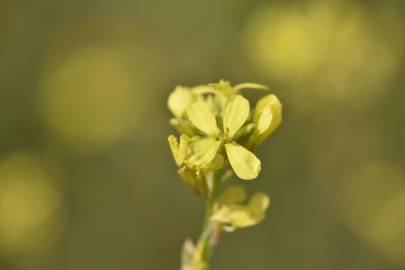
<point x="245" y="164"/>
<point x="233" y="214"/>
<point x="215" y="119"/>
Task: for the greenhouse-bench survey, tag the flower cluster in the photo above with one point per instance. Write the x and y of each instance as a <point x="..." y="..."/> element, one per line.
<point x="218" y="128"/>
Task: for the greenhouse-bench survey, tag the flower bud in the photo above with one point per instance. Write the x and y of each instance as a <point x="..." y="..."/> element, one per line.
<point x="267" y="117"/>
<point x="179" y="100"/>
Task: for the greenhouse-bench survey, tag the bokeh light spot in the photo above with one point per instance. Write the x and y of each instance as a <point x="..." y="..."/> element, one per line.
<point x="29" y="202"/>
<point x="372" y="204"/>
<point x="88" y="99"/>
<point x="334" y="52"/>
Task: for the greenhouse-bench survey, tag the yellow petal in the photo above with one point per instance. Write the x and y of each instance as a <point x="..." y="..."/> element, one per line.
<point x="245" y="164"/>
<point x="199" y="265"/>
<point x="179" y="100"/>
<point x="184" y="126"/>
<point x="184" y="145"/>
<point x="235" y="115"/>
<point x="202" y="117"/>
<point x="187" y="253"/>
<point x="212" y="104"/>
<point x="216" y="164"/>
<point x="248" y="85"/>
<point x="179" y="151"/>
<point x="233" y="194"/>
<point x="259" y="203"/>
<point x="264" y="120"/>
<point x="269" y="100"/>
<point x="174" y="147"/>
<point x="234" y="216"/>
<point x="214" y="97"/>
<point x="203" y="151"/>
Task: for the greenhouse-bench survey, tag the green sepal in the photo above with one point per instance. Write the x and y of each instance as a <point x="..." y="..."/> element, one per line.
<point x="245" y="131"/>
<point x="184" y="127"/>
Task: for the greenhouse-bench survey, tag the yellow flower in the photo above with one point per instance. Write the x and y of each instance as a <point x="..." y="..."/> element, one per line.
<point x="215" y="118"/>
<point x="233" y="214"/>
<point x="245" y="164"/>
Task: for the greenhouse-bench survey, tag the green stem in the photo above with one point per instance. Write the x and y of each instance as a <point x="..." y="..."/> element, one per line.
<point x="216" y="183"/>
<point x="204" y="240"/>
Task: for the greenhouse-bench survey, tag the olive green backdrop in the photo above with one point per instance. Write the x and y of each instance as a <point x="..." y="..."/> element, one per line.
<point x="87" y="181"/>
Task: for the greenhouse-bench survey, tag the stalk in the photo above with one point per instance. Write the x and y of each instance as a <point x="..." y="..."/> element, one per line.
<point x="205" y="245"/>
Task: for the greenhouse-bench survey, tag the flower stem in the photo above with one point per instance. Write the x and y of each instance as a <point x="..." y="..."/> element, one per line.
<point x="205" y="245"/>
<point x="213" y="195"/>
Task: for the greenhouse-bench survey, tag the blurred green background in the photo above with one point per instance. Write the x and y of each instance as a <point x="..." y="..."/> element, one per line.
<point x="87" y="180"/>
